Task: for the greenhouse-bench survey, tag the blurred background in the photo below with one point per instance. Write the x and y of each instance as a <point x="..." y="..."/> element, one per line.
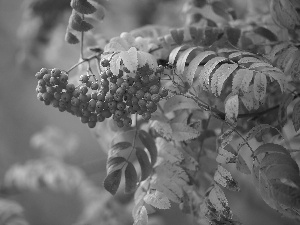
<point x="29" y="42"/>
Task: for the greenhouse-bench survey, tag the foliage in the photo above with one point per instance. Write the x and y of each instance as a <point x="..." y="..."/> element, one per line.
<point x="160" y="89"/>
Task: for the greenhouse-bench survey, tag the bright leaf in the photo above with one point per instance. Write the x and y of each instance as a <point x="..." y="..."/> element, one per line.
<point x="141" y="217"/>
<point x="224" y="178"/>
<point x="144" y="163"/>
<point x="232" y="109"/>
<point x="149" y="143"/>
<point x="158" y="200"/>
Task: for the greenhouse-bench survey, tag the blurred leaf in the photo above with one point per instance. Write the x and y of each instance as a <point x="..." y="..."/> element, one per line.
<point x="296" y="116"/>
<point x="157" y="199"/>
<point x="130" y="178"/>
<point x="77" y="23"/>
<point x="241" y="165"/>
<point x="233" y="35"/>
<point x="83" y="6"/>
<point x="71" y="38"/>
<point x="266" y="33"/>
<point x="270" y="148"/>
<point x="112" y="181"/>
<point x="114" y="163"/>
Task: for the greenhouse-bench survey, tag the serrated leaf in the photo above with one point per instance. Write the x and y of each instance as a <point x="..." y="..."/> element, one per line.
<point x="241" y="165"/>
<point x="282" y="172"/>
<point x="238" y="78"/>
<point x="248" y="75"/>
<point x="245" y="60"/>
<point x="293" y="67"/>
<point x="115" y="64"/>
<point x="112" y="181"/>
<point x="180" y="65"/>
<point x="141" y="217"/>
<point x="211" y="35"/>
<point x="224" y="178"/>
<point x="168" y="151"/>
<point x="226" y="137"/>
<point x="225" y="156"/>
<point x="232" y="109"/>
<point x="71" y="38"/>
<point x="114" y="163"/>
<point x="162" y="128"/>
<point x="146" y="58"/>
<point x="220" y="76"/>
<point x="130" y="59"/>
<point x="266" y="33"/>
<point x="83" y="6"/>
<point x="248" y="100"/>
<point x="130" y="178"/>
<point x="144" y="162"/>
<point x="149" y="143"/>
<point x="282" y="111"/>
<point x="239" y="53"/>
<point x="191" y="70"/>
<point x="177" y="35"/>
<point x="116" y="44"/>
<point x="277" y="49"/>
<point x="158" y="200"/>
<point x="173" y="54"/>
<point x="296" y="116"/>
<point x="204" y="76"/>
<point x="183" y="132"/>
<point x="178" y="102"/>
<point x="260" y="86"/>
<point x="219" y="201"/>
<point x="77" y="23"/>
<point x="270" y="148"/>
<point x="284" y="58"/>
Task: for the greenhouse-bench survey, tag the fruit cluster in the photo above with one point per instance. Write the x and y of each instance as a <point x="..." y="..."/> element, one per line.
<point x="94" y="101"/>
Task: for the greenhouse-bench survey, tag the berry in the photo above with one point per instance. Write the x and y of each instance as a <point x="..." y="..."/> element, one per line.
<point x="113" y="87"/>
<point x="76" y="93"/>
<point x="86" y="113"/>
<point x="109" y="73"/>
<point x="55" y="72"/>
<point x="127" y="122"/>
<point x="83" y="98"/>
<point x="104" y="83"/>
<point x="83" y="90"/>
<point x="89" y="83"/>
<point x="154" y="89"/>
<point x="109" y="97"/>
<point x="101" y="96"/>
<point x="120" y="81"/>
<point x="94" y="86"/>
<point x="84" y="119"/>
<point x="94" y="95"/>
<point x="62" y="104"/>
<point x="41" y="82"/>
<point x="55" y="103"/>
<point x="41" y="89"/>
<point x="153" y="78"/>
<point x="83" y="105"/>
<point x="112" y="105"/>
<point x="146" y="115"/>
<point x="84" y="78"/>
<point x="120" y="91"/>
<point x="91" y="124"/>
<point x="140" y="94"/>
<point x="117" y="97"/>
<point x="43" y="71"/>
<point x="138" y="85"/>
<point x="99" y="106"/>
<point x="39" y="75"/>
<point x="120" y="124"/>
<point x="50" y="90"/>
<point x="57" y="95"/>
<point x="153" y="109"/>
<point x="63" y="78"/>
<point x="106" y="113"/>
<point x="47" y="96"/>
<point x="121" y="106"/>
<point x="40" y="96"/>
<point x="70" y="87"/>
<point x="150" y="104"/>
<point x="147" y="96"/>
<point x="75" y="101"/>
<point x="155" y="98"/>
<point x="105" y="63"/>
<point x="54" y="81"/>
<point x="103" y="75"/>
<point x="142" y="103"/>
<point x="125" y="85"/>
<point x="163" y="92"/>
<point x="145" y="80"/>
<point x="47" y="77"/>
<point x="92" y="103"/>
<point x="134" y="100"/>
<point x="113" y="79"/>
<point x="100" y="118"/>
<point x="131" y="90"/>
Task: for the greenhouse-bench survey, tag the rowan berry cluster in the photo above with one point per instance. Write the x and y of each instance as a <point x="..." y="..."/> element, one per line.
<point x="94" y="101"/>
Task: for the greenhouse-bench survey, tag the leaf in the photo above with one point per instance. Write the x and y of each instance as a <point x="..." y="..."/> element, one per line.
<point x="129" y="59"/>
<point x="183" y="132"/>
<point x="71" y="38"/>
<point x="219" y="201"/>
<point x="180" y="65"/>
<point x="233" y="35"/>
<point x="211" y="35"/>
<point x="168" y="151"/>
<point x="112" y="181"/>
<point x="225" y="156"/>
<point x="277" y="49"/>
<point x="174" y="52"/>
<point x="282" y="172"/>
<point x="241" y="165"/>
<point x="270" y="148"/>
<point x="277" y="159"/>
<point x="282" y="111"/>
<point x="240" y="53"/>
<point x="204" y="76"/>
<point x="177" y="35"/>
<point x="114" y="163"/>
<point x="280" y="78"/>
<point x="260" y="86"/>
<point x="146" y="58"/>
<point x="232" y="109"/>
<point x="248" y="100"/>
<point x="141" y="217"/>
<point x="115" y="64"/>
<point x="158" y="200"/>
<point x="220" y="76"/>
<point x="266" y="33"/>
<point x="191" y="70"/>
<point x="220" y="8"/>
<point x="296" y="116"/>
<point x="226" y="137"/>
<point x="224" y="178"/>
<point x="83" y="6"/>
<point x="130" y="178"/>
<point x="162" y="128"/>
<point x="77" y="23"/>
<point x="241" y="80"/>
<point x="178" y="102"/>
<point x="120" y="146"/>
<point x="144" y="163"/>
<point x="149" y="143"/>
<point x="246" y="60"/>
<point x="117" y="44"/>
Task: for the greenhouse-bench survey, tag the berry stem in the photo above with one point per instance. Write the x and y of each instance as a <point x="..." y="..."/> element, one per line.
<point x="82" y="61"/>
<point x="81" y="42"/>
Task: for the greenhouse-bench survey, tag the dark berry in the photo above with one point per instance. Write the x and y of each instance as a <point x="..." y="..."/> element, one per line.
<point x="150" y="104"/>
<point x="142" y="103"/>
<point x="103" y="75"/>
<point x="55" y="103"/>
<point x="145" y="80"/>
<point x="154" y="89"/>
<point x="50" y="90"/>
<point x="94" y="86"/>
<point x="138" y="85"/>
<point x="83" y="98"/>
<point x="47" y="96"/>
<point x="125" y="85"/>
<point x="153" y="78"/>
<point x="43" y="71"/>
<point x="120" y="124"/>
<point x="92" y="103"/>
<point x="55" y="72"/>
<point x="63" y="78"/>
<point x="57" y="95"/>
<point x="120" y="81"/>
<point x="40" y="96"/>
<point x="113" y="79"/>
<point x="146" y="115"/>
<point x="101" y="96"/>
<point x="127" y="122"/>
<point x="83" y="105"/>
<point x="163" y="92"/>
<point x="140" y="94"/>
<point x="70" y="87"/>
<point x="117" y="97"/>
<point x="147" y="96"/>
<point x="62" y="104"/>
<point x="100" y="118"/>
<point x="104" y="83"/>
<point x="47" y="77"/>
<point x="86" y="112"/>
<point x="121" y="106"/>
<point x="41" y="89"/>
<point x="94" y="95"/>
<point x="106" y="113"/>
<point x="155" y="98"/>
<point x="112" y="105"/>
<point x="84" y="78"/>
<point x="113" y="87"/>
<point x="109" y="73"/>
<point x="39" y="75"/>
<point x="120" y="91"/>
<point x="130" y="81"/>
<point x="54" y="81"/>
<point x="131" y="90"/>
<point x="99" y="106"/>
<point x="105" y="62"/>
<point x="42" y="82"/>
<point x="134" y="100"/>
<point x="75" y="101"/>
<point x="153" y="109"/>
<point x="109" y="97"/>
<point x="76" y="93"/>
<point x="92" y="124"/>
<point x="89" y="83"/>
<point x="84" y="119"/>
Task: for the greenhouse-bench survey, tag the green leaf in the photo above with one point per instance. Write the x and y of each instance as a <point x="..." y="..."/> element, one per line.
<point x="241" y="165"/>
<point x="260" y="86"/>
<point x="193" y="66"/>
<point x="270" y="148"/>
<point x="226" y="137"/>
<point x="197" y="34"/>
<point x="178" y="102"/>
<point x="115" y="64"/>
<point x="83" y="6"/>
<point x="239" y="54"/>
<point x="120" y="146"/>
<point x="114" y="163"/>
<point x="174" y="52"/>
<point x="296" y="116"/>
<point x="183" y="132"/>
<point x="220" y="76"/>
<point x="71" y="38"/>
<point x="168" y="151"/>
<point x="141" y="217"/>
<point x="77" y="23"/>
<point x="219" y="201"/>
<point x="204" y="76"/>
<point x="130" y="178"/>
<point x="233" y="35"/>
<point x="157" y="199"/>
<point x="149" y="143"/>
<point x="225" y="156"/>
<point x="266" y="33"/>
<point x="241" y="80"/>
<point x="282" y="111"/>
<point x="211" y="35"/>
<point x="283" y="172"/>
<point x="277" y="49"/>
<point x="220" y="8"/>
<point x="280" y="78"/>
<point x="246" y="60"/>
<point x="130" y="59"/>
<point x="232" y="109"/>
<point x="278" y="159"/>
<point x="224" y="178"/>
<point x="112" y="181"/>
<point x="177" y="35"/>
<point x="144" y="162"/>
<point x="180" y="65"/>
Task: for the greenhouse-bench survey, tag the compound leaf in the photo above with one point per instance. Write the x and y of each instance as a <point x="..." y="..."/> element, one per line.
<point x="232" y="109"/>
<point x="141" y="216"/>
<point x="130" y="178"/>
<point x="144" y="163"/>
<point x="149" y="143"/>
<point x="158" y="200"/>
<point x="112" y="181"/>
<point x="224" y="178"/>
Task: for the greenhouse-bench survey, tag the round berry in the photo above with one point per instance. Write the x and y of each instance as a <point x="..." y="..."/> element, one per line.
<point x="94" y="95"/>
<point x="54" y="81"/>
<point x="109" y="73"/>
<point x="84" y="78"/>
<point x="62" y="104"/>
<point x="55" y="103"/>
<point x="153" y="78"/>
<point x="109" y="97"/>
<point x="104" y="83"/>
<point x="113" y="87"/>
<point x="47" y="96"/>
<point x="150" y="104"/>
<point x="163" y="92"/>
<point x="89" y="84"/>
<point x="145" y="80"/>
<point x="84" y="119"/>
<point x="83" y="98"/>
<point x="43" y="71"/>
<point x="142" y="103"/>
<point x="120" y="124"/>
<point x="63" y="78"/>
<point x="47" y="77"/>
<point x="155" y="98"/>
<point x="41" y="89"/>
<point x="103" y="75"/>
<point x="92" y="124"/>
<point x="92" y="103"/>
<point x="86" y="112"/>
<point x="105" y="63"/>
<point x="76" y="93"/>
<point x="55" y="72"/>
<point x="112" y="105"/>
<point x="40" y="96"/>
<point x="120" y="81"/>
<point x="131" y="90"/>
<point x="42" y="82"/>
<point x="39" y="75"/>
<point x="130" y="81"/>
<point x="125" y="85"/>
<point x="127" y="122"/>
<point x="100" y="118"/>
<point x="50" y="90"/>
<point x="83" y="90"/>
<point x="83" y="105"/>
<point x="146" y="115"/>
<point x="57" y="95"/>
<point x="153" y="109"/>
<point x="138" y="85"/>
<point x="140" y="94"/>
<point x="94" y="86"/>
<point x="47" y="102"/>
<point x="121" y="106"/>
<point x="75" y="101"/>
<point x="120" y="91"/>
<point x="106" y="113"/>
<point x="134" y="100"/>
<point x="70" y="87"/>
<point x="147" y="96"/>
<point x="154" y="89"/>
<point x="113" y="79"/>
<point x="117" y="97"/>
<point x="101" y="96"/>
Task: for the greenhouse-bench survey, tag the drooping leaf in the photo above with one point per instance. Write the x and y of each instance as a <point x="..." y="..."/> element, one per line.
<point x="144" y="163"/>
<point x="204" y="76"/>
<point x="174" y="53"/>
<point x="197" y="34"/>
<point x="112" y="181"/>
<point x="183" y="132"/>
<point x="71" y="38"/>
<point x="180" y="65"/>
<point x="270" y="148"/>
<point x="241" y="165"/>
<point x="115" y="64"/>
<point x="277" y="159"/>
<point x="177" y="35"/>
<point x="114" y="163"/>
<point x="130" y="178"/>
<point x="141" y="217"/>
<point x="194" y="65"/>
<point x="296" y="116"/>
<point x="233" y="35"/>
<point x="77" y="23"/>
<point x="130" y="59"/>
<point x="146" y="58"/>
<point x="225" y="156"/>
<point x="168" y="151"/>
<point x="220" y="76"/>
<point x="260" y="86"/>
<point x="224" y="178"/>
<point x="162" y="128"/>
<point x="232" y="109"/>
<point x="120" y="146"/>
<point x="266" y="33"/>
<point x="219" y="201"/>
<point x="284" y="58"/>
<point x="244" y="86"/>
<point x="158" y="200"/>
<point x="149" y="143"/>
<point x="178" y="102"/>
<point x="241" y="80"/>
<point x="83" y="6"/>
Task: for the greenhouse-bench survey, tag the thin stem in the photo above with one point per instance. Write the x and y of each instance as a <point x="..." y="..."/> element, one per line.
<point x="81" y="42"/>
<point x="82" y="61"/>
